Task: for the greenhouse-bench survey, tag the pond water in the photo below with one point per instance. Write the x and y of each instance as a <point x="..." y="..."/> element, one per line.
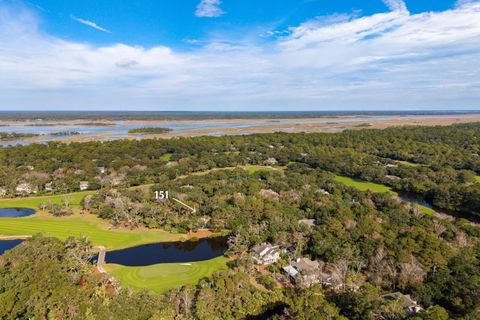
<point x="8" y="244"/>
<point x="414" y="198"/>
<point x="169" y="252"/>
<point x="16" y="212"/>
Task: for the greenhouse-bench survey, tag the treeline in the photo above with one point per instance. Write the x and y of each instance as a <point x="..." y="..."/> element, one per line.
<point x="446" y="177"/>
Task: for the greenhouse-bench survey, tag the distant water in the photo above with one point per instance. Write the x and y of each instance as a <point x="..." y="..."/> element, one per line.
<point x="119" y="129"/>
<point x="16" y="212"/>
<point x="8" y="244"/>
<point x="169" y="252"/>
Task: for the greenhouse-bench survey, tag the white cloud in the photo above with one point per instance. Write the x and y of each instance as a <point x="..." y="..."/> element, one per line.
<point x="386" y="60"/>
<point x="90" y="24"/>
<point x="396" y="5"/>
<point x="209" y="9"/>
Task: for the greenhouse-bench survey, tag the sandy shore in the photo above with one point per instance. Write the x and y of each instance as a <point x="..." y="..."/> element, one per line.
<point x="249" y="126"/>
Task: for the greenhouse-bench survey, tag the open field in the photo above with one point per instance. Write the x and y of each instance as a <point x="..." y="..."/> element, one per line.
<point x="363" y="185"/>
<point x="165" y="276"/>
<point x="375" y="187"/>
<point x="33" y="202"/>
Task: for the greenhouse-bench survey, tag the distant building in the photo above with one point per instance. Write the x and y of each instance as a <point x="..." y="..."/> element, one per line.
<point x="390" y="177"/>
<point x="102" y="169"/>
<point x="269" y="194"/>
<point x="25" y="188"/>
<point x="49" y="186"/>
<point x="307" y="222"/>
<point x="3" y="192"/>
<point x="265" y="254"/>
<point x="409" y="305"/>
<point x="304" y="272"/>
<point x="270" y="162"/>
<point x="390" y="165"/>
<point x="84" y="185"/>
<point x="324" y="192"/>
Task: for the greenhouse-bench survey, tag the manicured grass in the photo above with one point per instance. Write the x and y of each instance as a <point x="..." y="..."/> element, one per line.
<point x="94" y="228"/>
<point x="33" y="202"/>
<point x="375" y="187"/>
<point x="363" y="185"/>
<point x="426" y="210"/>
<point x="477" y="178"/>
<point x="410" y="164"/>
<point x="165" y="276"/>
<point x="166" y="157"/>
<point x="252" y="169"/>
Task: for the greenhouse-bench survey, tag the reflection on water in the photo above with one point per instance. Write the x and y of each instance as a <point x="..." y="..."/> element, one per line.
<point x="169" y="252"/>
<point x="16" y="212"/>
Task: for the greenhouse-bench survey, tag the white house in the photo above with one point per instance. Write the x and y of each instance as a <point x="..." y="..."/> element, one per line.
<point x="84" y="185"/>
<point x="3" y="192"/>
<point x="265" y="254"/>
<point x="25" y="188"/>
<point x="409" y="305"/>
<point x="49" y="186"/>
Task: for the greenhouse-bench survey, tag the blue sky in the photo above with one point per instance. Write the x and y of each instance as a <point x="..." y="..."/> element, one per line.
<point x="239" y="55"/>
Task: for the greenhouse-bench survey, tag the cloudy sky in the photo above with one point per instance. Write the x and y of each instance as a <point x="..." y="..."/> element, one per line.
<point x="232" y="55"/>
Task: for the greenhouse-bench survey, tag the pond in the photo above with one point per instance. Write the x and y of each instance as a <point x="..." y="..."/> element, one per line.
<point x="169" y="252"/>
<point x="16" y="212"/>
<point x="8" y="244"/>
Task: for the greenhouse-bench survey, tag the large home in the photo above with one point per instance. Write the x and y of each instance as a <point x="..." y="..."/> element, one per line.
<point x="25" y="188"/>
<point x="3" y="192"/>
<point x="304" y="272"/>
<point x="265" y="253"/>
<point x="84" y="185"/>
<point x="409" y="305"/>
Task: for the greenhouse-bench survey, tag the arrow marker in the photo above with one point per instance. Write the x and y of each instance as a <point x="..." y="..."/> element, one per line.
<point x="185" y="205"/>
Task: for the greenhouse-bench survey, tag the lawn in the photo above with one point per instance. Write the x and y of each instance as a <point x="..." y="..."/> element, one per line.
<point x="252" y="169"/>
<point x="375" y="187"/>
<point x="33" y="202"/>
<point x="166" y="157"/>
<point x="477" y="178"/>
<point x="410" y="164"/>
<point x="162" y="277"/>
<point x="363" y="185"/>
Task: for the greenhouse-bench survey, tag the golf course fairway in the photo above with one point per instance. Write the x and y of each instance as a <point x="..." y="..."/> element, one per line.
<point x="376" y="187"/>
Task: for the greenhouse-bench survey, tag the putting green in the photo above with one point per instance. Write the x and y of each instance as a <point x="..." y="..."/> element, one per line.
<point x="162" y="277"/>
